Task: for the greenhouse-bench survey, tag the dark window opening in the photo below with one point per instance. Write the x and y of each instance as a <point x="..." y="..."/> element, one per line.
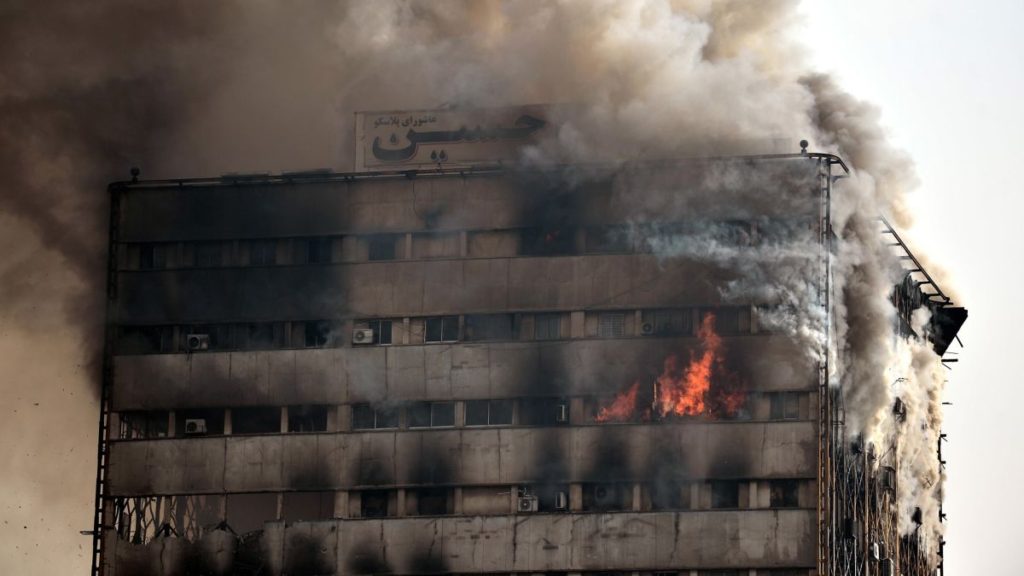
<point x="725" y="494"/>
<point x="383" y="246"/>
<point x="307" y="418"/>
<point x="318" y="250"/>
<point x="139" y="425"/>
<point x="611" y="325"/>
<point x="152" y="256"/>
<point x="669" y="495"/>
<point x="318" y="333"/>
<point x="264" y="336"/>
<point x="666" y="322"/>
<point x="605" y="497"/>
<point x="366" y="417"/>
<point x="256" y="420"/>
<point x="432" y="501"/>
<point x="609" y="239"/>
<point x="784" y="493"/>
<point x="375" y="504"/>
<point x="543" y="412"/>
<point x="441" y="329"/>
<point x="307" y="506"/>
<point x="431" y="414"/>
<point x="728" y="320"/>
<point x="488" y="412"/>
<point x="145" y="339"/>
<point x="785" y="406"/>
<point x="482" y="327"/>
<point x="262" y="252"/>
<point x="381" y="331"/>
<point x="547" y="241"/>
<point x="208" y="254"/>
<point x="199" y="422"/>
<point x="547" y="326"/>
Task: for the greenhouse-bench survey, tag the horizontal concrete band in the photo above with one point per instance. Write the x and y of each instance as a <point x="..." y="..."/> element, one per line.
<point x="523" y="543"/>
<point x="463" y="457"/>
<point x="437" y="372"/>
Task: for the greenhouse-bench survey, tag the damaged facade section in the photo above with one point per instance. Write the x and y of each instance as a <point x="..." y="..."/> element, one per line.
<point x="472" y="371"/>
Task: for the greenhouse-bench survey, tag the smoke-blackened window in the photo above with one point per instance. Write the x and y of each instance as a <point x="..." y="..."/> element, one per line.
<point x="725" y="494"/>
<point x="256" y="420"/>
<point x="481" y="327"/>
<point x="543" y="412"/>
<point x="307" y="418"/>
<point x="784" y="493"/>
<point x="785" y="406"/>
<point x="141" y="425"/>
<point x="441" y="329"/>
<point x="262" y="252"/>
<point x="430" y="501"/>
<point x="308" y="506"/>
<point x="208" y="254"/>
<point x="488" y="412"/>
<point x="667" y="322"/>
<point x="548" y="241"/>
<point x="382" y="247"/>
<point x="366" y="417"/>
<point x="377" y="503"/>
<point x="152" y="256"/>
<point x="547" y="326"/>
<point x="611" y="325"/>
<point x="607" y="496"/>
<point x="431" y="414"/>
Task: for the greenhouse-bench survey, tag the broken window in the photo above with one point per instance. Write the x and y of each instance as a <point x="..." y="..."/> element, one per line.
<point x="725" y="494"/>
<point x="482" y="327"/>
<point x="431" y="501"/>
<point x="441" y="329"/>
<point x="611" y="325"/>
<point x="262" y="252"/>
<point x="488" y="412"/>
<point x="435" y="245"/>
<point x="383" y="246"/>
<point x="431" y="414"/>
<point x="199" y="422"/>
<point x="547" y="326"/>
<point x="785" y="406"/>
<point x="784" y="493"/>
<point x="678" y="322"/>
<point x="142" y="424"/>
<point x="307" y="418"/>
<point x="377" y="503"/>
<point x="607" y="496"/>
<point x="609" y="240"/>
<point x="256" y="420"/>
<point x="145" y="339"/>
<point x="318" y="250"/>
<point x="366" y="417"/>
<point x="543" y="411"/>
<point x="307" y="506"/>
<point x="549" y="241"/>
<point x="246" y="513"/>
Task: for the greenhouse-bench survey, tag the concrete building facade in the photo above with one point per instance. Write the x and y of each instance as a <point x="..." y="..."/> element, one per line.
<point x="418" y="372"/>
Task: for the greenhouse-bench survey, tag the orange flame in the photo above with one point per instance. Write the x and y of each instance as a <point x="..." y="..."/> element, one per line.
<point x="685" y="390"/>
<point x="622" y="408"/>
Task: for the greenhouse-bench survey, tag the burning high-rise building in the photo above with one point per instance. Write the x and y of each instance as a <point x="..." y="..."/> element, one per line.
<point x="451" y="360"/>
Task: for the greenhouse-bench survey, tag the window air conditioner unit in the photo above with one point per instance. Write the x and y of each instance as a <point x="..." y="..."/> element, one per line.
<point x="647" y="328"/>
<point x="362" y="336"/>
<point x="197" y="342"/>
<point x="561" y="501"/>
<point x="527" y="504"/>
<point x="195" y="426"/>
<point x="603" y="495"/>
<point x="563" y="412"/>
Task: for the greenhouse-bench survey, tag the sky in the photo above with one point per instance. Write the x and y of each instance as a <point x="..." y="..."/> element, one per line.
<point x="949" y="79"/>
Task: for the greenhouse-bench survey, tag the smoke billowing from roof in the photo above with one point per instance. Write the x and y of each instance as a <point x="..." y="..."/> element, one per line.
<point x="88" y="90"/>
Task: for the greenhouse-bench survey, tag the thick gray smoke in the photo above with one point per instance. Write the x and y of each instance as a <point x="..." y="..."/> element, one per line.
<point x="188" y="88"/>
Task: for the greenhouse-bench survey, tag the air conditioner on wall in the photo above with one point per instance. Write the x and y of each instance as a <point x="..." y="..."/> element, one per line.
<point x="647" y="328"/>
<point x="362" y="336"/>
<point x="195" y="426"/>
<point x="527" y="504"/>
<point x="197" y="342"/>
